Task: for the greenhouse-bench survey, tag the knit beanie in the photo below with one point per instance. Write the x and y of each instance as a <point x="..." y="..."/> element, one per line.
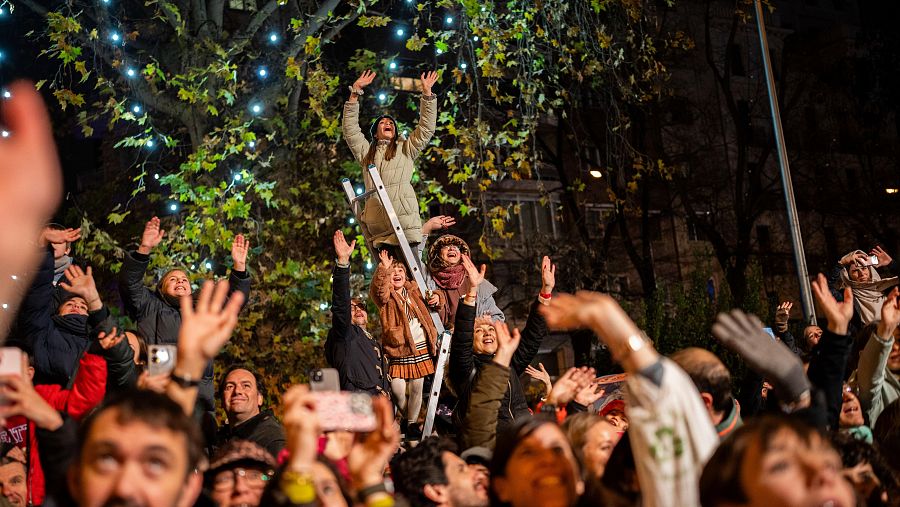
<point x="374" y="127"/>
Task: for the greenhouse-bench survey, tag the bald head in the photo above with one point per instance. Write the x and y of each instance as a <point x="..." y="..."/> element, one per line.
<point x="709" y="375"/>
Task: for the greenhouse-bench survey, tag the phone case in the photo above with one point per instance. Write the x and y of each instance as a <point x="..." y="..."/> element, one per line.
<point x="345" y="411"/>
<point x="10" y="361"/>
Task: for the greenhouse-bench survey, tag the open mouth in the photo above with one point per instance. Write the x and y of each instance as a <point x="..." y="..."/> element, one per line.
<point x="851" y="409"/>
<point x="487" y="341"/>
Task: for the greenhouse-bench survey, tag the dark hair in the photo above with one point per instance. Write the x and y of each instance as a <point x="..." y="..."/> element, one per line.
<point x="142" y="345"/>
<point x="153" y="409"/>
<point x="720" y="482"/>
<point x="887" y="433"/>
<point x="420" y="466"/>
<point x="854" y="452"/>
<point x="708" y="374"/>
<point x="260" y="384"/>
<point x="373" y="146"/>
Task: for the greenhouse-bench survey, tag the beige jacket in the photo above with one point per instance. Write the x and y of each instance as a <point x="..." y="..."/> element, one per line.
<point x="396" y="174"/>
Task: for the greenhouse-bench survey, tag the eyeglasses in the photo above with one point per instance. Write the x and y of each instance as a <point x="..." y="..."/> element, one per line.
<point x="254" y="478"/>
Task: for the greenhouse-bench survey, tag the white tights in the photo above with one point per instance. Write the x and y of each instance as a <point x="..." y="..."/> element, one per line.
<point x="408" y="405"/>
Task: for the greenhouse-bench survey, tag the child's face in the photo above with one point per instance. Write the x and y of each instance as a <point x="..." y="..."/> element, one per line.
<point x="398" y="275"/>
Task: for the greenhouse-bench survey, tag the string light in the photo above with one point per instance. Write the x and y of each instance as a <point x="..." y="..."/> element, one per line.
<point x="273" y="37"/>
<point x="382" y="97"/>
<point x="369" y="265"/>
<point x="155" y="176"/>
<point x="173" y="207"/>
<point x="131" y="72"/>
<point x="475" y="38"/>
<point x="400" y="32"/>
<point x="596" y="173"/>
<point x="150" y="143"/>
<point x="251" y="144"/>
<point x="463" y="66"/>
<point x="449" y="20"/>
<point x="392" y="66"/>
<point x="262" y="72"/>
<point x="439" y="51"/>
<point x="208" y="265"/>
<point x="136" y="109"/>
<point x="256" y="108"/>
<point x="323" y="306"/>
<point x="351" y="220"/>
<point x="237" y="177"/>
<point x="359" y="190"/>
<point x="115" y="37"/>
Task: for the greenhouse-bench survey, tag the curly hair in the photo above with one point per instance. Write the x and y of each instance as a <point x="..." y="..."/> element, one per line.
<point x="420" y="466"/>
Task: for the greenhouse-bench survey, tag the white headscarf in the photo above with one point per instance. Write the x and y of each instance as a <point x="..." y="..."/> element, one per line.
<point x="868" y="297"/>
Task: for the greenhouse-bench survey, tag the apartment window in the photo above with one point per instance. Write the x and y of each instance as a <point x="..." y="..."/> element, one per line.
<point x="530" y="214"/>
<point x="595" y="219"/>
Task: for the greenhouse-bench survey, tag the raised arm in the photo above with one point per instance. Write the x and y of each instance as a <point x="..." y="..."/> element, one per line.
<point x="419" y="138"/>
<point x="870" y="375"/>
<point x="480" y="422"/>
<point x="340" y="295"/>
<point x="135" y="296"/>
<point x="826" y="368"/>
<point x="536" y="326"/>
<point x="240" y="280"/>
<point x="381" y="284"/>
<point x="461" y="353"/>
<point x="36" y="312"/>
<point x="356" y="140"/>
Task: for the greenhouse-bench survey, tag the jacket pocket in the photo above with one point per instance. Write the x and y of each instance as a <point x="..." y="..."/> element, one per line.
<point x="394" y="337"/>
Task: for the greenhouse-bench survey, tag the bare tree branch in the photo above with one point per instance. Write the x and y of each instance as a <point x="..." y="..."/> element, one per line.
<point x="241" y="38"/>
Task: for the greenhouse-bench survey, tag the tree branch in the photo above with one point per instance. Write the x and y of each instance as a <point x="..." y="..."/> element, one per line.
<point x="241" y="38"/>
<point x="216" y="10"/>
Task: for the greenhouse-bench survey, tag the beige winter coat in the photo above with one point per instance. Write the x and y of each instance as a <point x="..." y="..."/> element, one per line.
<point x="396" y="174"/>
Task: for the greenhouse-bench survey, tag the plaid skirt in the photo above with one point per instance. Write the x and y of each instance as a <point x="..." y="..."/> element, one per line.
<point x="412" y="367"/>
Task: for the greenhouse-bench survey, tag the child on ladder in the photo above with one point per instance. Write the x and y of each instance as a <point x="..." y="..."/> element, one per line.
<point x="394" y="156"/>
<point x="408" y="336"/>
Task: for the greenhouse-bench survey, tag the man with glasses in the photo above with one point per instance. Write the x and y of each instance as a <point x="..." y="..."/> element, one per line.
<point x="350" y="348"/>
<point x="239" y="473"/>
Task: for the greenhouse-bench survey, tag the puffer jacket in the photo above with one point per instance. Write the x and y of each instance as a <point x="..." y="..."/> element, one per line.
<point x="395" y="173"/>
<point x="157" y="320"/>
<point x="57" y="342"/>
<point x="466" y="366"/>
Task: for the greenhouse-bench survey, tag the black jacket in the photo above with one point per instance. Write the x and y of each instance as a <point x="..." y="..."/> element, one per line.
<point x="465" y="365"/>
<point x="121" y="371"/>
<point x="57" y="342"/>
<point x="262" y="429"/>
<point x="356" y="356"/>
<point x="157" y="320"/>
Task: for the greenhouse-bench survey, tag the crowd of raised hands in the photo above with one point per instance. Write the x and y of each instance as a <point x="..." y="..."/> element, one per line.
<point x="815" y="421"/>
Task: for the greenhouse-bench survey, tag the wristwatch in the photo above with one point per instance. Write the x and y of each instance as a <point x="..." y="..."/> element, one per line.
<point x="356" y="91"/>
<point x="186" y="381"/>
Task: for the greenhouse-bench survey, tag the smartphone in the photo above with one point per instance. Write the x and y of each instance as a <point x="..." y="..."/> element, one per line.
<point x="161" y="359"/>
<point x="11" y="361"/>
<point x="873" y="260"/>
<point x="769" y="331"/>
<point x="345" y="411"/>
<point x="324" y="379"/>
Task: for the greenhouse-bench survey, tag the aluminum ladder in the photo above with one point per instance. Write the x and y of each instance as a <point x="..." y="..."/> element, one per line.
<point x="415" y="267"/>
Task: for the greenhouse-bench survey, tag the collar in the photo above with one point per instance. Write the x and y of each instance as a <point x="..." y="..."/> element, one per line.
<point x="732" y="421"/>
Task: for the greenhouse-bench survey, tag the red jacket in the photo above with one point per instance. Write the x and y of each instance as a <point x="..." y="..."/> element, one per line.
<point x="88" y="390"/>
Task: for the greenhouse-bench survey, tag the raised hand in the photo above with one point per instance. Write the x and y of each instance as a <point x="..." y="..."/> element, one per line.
<point x="541" y="375"/>
<point x="301" y="428"/>
<point x="782" y="315"/>
<point x="883" y="258"/>
<point x="890" y="315"/>
<point x="82" y="284"/>
<point x="568" y="385"/>
<point x="476" y="276"/>
<point x="859" y="258"/>
<point x="428" y="80"/>
<point x="590" y="393"/>
<point x="371" y="452"/>
<point x="342" y="250"/>
<point x="110" y="339"/>
<point x="364" y="79"/>
<point x="51" y="235"/>
<point x="507" y="343"/>
<point x="385" y="259"/>
<point x="437" y="223"/>
<point x="548" y="276"/>
<point x="151" y="236"/>
<point x="743" y="333"/>
<point x="239" y="249"/>
<point x="206" y="327"/>
<point x="838" y="314"/>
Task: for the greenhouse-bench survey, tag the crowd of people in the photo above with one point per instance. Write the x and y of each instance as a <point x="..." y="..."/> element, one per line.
<point x="89" y="420"/>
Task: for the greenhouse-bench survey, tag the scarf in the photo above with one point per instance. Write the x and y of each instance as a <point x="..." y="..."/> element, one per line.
<point x="59" y="267"/>
<point x="72" y="323"/>
<point x="868" y="297"/>
<point x="451" y="277"/>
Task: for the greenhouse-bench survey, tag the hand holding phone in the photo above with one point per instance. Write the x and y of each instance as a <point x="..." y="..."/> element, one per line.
<point x="161" y="359"/>
<point x="344" y="411"/>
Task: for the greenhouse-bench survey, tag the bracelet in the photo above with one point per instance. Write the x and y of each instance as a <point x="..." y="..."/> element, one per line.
<point x="364" y="493"/>
<point x="298" y="487"/>
<point x="547" y="296"/>
<point x="185" y="381"/>
<point x="356" y="91"/>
